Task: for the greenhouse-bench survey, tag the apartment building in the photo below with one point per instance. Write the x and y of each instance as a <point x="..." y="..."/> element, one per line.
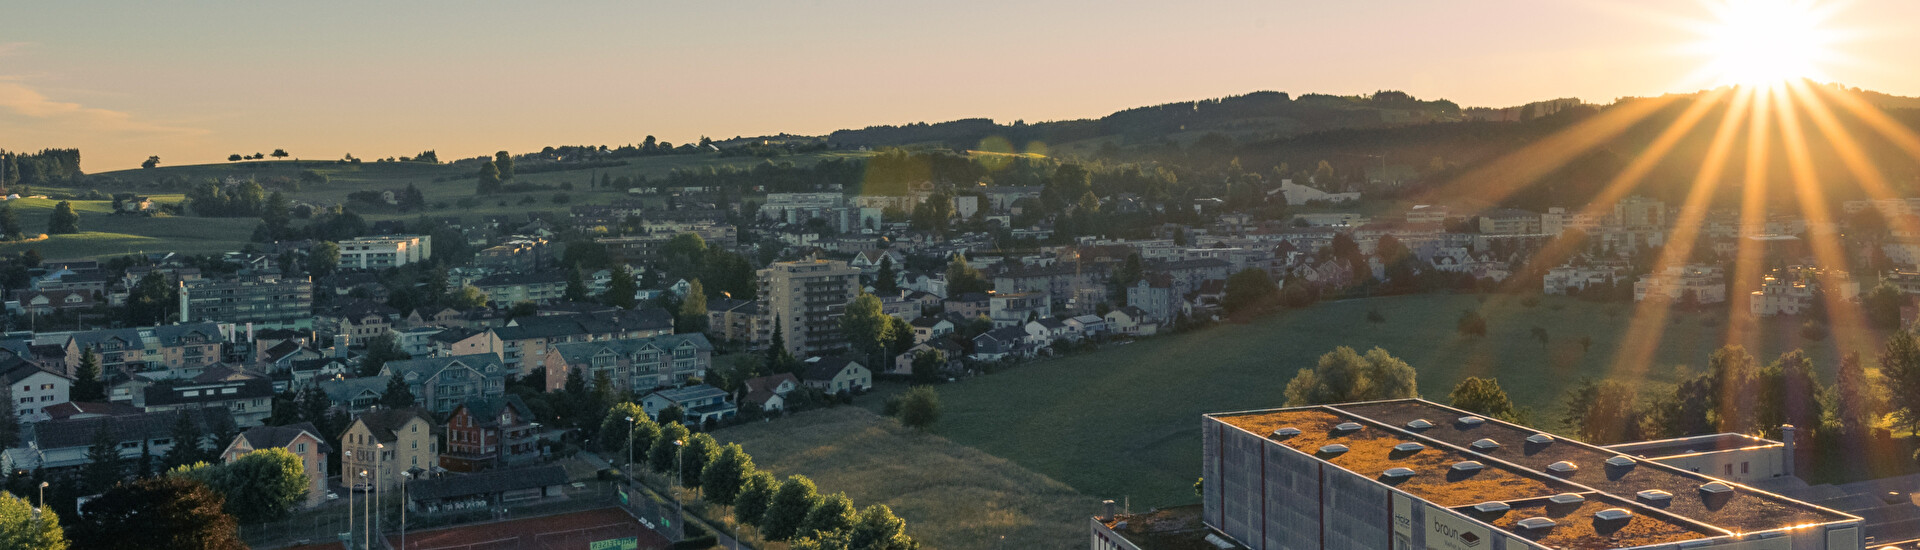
<point x="1701" y="284"/>
<point x="384" y="251"/>
<point x="384" y="443"/>
<point x="807" y="298"/>
<point x="269" y="300"/>
<point x="637" y="364"/>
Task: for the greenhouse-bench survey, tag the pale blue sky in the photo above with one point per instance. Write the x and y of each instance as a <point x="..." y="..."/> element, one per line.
<point x="195" y="82"/>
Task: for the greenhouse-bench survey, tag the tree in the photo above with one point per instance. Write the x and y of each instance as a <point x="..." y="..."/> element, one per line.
<point x="1789" y="394"/>
<point x="21" y="526"/>
<point x="381" y="349"/>
<point x="150" y="299"/>
<point x="86" y="380"/>
<point x="9" y="418"/>
<point x="693" y="310"/>
<point x="1601" y="413"/>
<point x="866" y="326"/>
<point x="664" y="456"/>
<point x="262" y="485"/>
<point x="576" y="286"/>
<point x="831" y="514"/>
<point x="64" y="221"/>
<point x="1483" y="396"/>
<point x="234" y="157"/>
<point x="616" y="430"/>
<point x="1735" y="381"/>
<point x="397" y="395"/>
<point x="489" y="179"/>
<point x="151" y="162"/>
<point x="927" y="365"/>
<point x="1900" y="366"/>
<point x="756" y="493"/>
<point x="279" y="153"/>
<point x="467" y="297"/>
<point x="1882" y="305"/>
<point x="1343" y="376"/>
<point x="699" y="451"/>
<point x="963" y="278"/>
<point x="187" y="439"/>
<point x="787" y="511"/>
<point x="885" y="281"/>
<point x="1471" y="324"/>
<point x="779" y="358"/>
<point x="684" y="255"/>
<point x="722" y="479"/>
<point x="1249" y="290"/>
<point x="323" y="258"/>
<point x="1855" y="403"/>
<point x="877" y="528"/>
<point x="104" y="466"/>
<point x="622" y="290"/>
<point x="163" y="513"/>
<point x="10" y="224"/>
<point x="918" y="407"/>
<point x="504" y="162"/>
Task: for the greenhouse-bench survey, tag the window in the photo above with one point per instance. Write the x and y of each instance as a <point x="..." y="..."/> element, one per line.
<point x="26" y="400"/>
<point x="1729" y="469"/>
<point x="301" y="448"/>
<point x="46" y="398"/>
<point x="416" y="444"/>
<point x="1743" y="467"/>
<point x="46" y="386"/>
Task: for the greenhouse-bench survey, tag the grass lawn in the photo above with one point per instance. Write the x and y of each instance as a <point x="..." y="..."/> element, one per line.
<point x="1124" y="421"/>
<point x="952" y="496"/>
<point x="105" y="235"/>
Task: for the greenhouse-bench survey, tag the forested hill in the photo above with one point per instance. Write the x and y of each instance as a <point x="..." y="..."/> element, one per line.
<point x="1259" y="115"/>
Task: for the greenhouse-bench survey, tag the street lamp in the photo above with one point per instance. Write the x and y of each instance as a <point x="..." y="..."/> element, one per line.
<point x="634" y="428"/>
<point x="369" y="521"/>
<point x="346" y="478"/>
<point x="43" y="498"/>
<point x="680" y="471"/>
<point x="374" y="524"/>
<point x="406" y="476"/>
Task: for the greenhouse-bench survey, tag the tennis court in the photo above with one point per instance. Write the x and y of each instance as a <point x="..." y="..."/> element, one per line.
<point x="574" y="531"/>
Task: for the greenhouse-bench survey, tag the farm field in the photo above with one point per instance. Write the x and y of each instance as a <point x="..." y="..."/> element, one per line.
<point x="1124" y="421"/>
<point x="952" y="496"/>
<point x="104" y="235"/>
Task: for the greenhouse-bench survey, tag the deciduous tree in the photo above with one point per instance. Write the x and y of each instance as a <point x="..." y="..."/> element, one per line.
<point x="831" y="514"/>
<point x="787" y="512"/>
<point x="1344" y="375"/>
<point x="64" y="221"/>
<point x="721" y="481"/>
<point x="663" y="456"/>
<point x="756" y="492"/>
<point x="21" y="526"/>
<point x="163" y="513"/>
<point x="1484" y="397"/>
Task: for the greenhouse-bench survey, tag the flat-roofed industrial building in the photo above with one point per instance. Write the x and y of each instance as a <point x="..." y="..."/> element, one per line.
<point x="1413" y="474"/>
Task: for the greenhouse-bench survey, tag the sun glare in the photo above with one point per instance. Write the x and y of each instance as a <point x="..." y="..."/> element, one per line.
<point x="1765" y="42"/>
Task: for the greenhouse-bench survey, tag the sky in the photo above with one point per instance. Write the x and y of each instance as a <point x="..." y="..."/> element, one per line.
<point x="194" y="82"/>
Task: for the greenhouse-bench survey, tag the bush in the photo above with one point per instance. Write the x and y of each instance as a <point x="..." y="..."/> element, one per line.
<point x="1813" y="331"/>
<point x="561" y="198"/>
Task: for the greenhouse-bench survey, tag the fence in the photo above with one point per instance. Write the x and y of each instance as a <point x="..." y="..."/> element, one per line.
<point x="325" y="523"/>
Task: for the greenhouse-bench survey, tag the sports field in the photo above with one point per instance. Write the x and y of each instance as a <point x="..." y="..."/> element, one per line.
<point x="575" y="531"/>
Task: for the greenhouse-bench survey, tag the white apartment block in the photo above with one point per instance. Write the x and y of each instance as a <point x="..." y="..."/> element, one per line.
<point x="1792" y="291"/>
<point x="1700" y="283"/>
<point x="384" y="251"/>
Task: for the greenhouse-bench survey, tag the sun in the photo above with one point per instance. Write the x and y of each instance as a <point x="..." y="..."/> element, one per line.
<point x="1764" y="43"/>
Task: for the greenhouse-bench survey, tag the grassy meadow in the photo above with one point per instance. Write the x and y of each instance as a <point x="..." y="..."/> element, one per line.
<point x="952" y="496"/>
<point x="103" y="234"/>
<point x="1124" y="421"/>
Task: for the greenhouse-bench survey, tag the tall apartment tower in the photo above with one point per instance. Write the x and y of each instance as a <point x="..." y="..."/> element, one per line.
<point x="807" y="298"/>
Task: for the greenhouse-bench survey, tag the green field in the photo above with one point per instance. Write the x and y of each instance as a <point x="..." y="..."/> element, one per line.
<point x="103" y="234"/>
<point x="1124" y="421"/>
<point x="114" y="235"/>
<point x="952" y="496"/>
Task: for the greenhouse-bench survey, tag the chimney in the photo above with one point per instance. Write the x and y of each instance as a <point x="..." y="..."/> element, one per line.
<point x="183" y="302"/>
<point x="1109" y="504"/>
<point x="1786" y="437"/>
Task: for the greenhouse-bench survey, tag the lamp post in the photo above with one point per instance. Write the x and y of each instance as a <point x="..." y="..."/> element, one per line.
<point x="635" y="427"/>
<point x="374" y="524"/>
<point x="405" y="477"/>
<point x="346" y="478"/>
<point x="679" y="471"/>
<point x="368" y="538"/>
<point x="43" y="499"/>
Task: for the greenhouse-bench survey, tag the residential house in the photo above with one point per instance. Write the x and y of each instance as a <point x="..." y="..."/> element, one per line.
<point x="1700" y="284"/>
<point x="302" y="439"/>
<point x="868" y="261"/>
<point x="928" y="328"/>
<point x="1086" y="326"/>
<point x="383" y="443"/>
<point x="952" y="351"/>
<point x="355" y="395"/>
<point x="384" y="251"/>
<point x="1800" y="289"/>
<point x="248" y="399"/>
<point x="356" y="322"/>
<point x="1156" y="296"/>
<point x="1046" y="331"/>
<point x="57" y="445"/>
<point x="1012" y="310"/>
<point x="309" y="373"/>
<point x="1001" y="343"/>
<point x="836" y="375"/>
<point x="700" y="404"/>
<point x="48" y="302"/>
<point x="969" y="305"/>
<point x="441" y="383"/>
<point x="742" y="321"/>
<point x="486" y="433"/>
<point x="524" y="343"/>
<point x="1131" y="321"/>
<point x="1509" y="221"/>
<point x="537" y="286"/>
<point x="769" y="392"/>
<point x="416" y="341"/>
<point x="1569" y="279"/>
<point x="35" y="388"/>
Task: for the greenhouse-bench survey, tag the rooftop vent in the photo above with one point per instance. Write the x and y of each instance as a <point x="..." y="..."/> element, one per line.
<point x="1286" y="432"/>
<point x="1333" y="449"/>
<point x="1472" y="421"/>
<point x="1612" y="514"/>
<point x="1490" y="507"/>
<point x="1563" y="467"/>
<point x="1620" y="461"/>
<point x="1566" y="498"/>
<point x="1398" y="472"/>
<point x="1536" y="523"/>
<point x="1485" y="444"/>
<point x="1716" y="488"/>
<point x="1348" y="427"/>
<point x="1409" y="447"/>
<point x="1654" y="495"/>
<point x="1540" y="439"/>
<point x="1419" y="424"/>
<point x="1468" y="466"/>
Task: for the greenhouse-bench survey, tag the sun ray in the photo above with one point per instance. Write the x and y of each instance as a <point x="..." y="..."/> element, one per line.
<point x="1753" y="209"/>
<point x="1558" y="251"/>
<point x="1893" y="130"/>
<point x="1510" y="173"/>
<point x="1649" y="319"/>
<point x="1827" y="249"/>
<point x="1851" y="154"/>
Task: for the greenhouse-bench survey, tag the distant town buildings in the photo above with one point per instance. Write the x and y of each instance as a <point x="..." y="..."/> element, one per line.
<point x="806" y="298"/>
<point x="384" y="251"/>
<point x="1697" y="284"/>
